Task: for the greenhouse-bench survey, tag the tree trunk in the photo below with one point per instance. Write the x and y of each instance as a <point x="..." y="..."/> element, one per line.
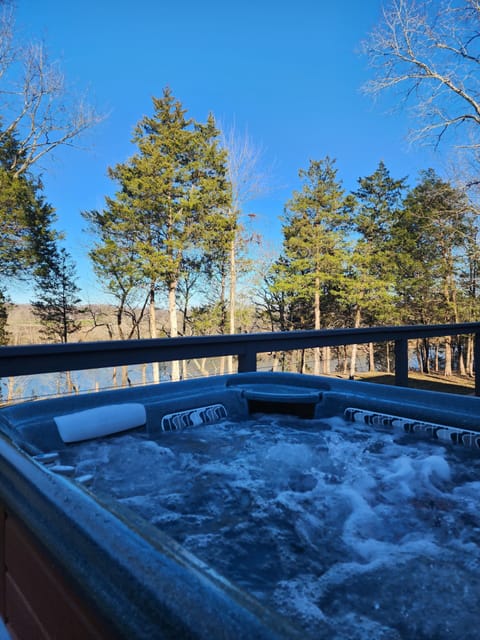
<point x="461" y="364"/>
<point x="223" y="321"/>
<point x="462" y="370"/>
<point x="470" y="371"/>
<point x="232" y="296"/>
<point x="185" y="332"/>
<point x="353" y="360"/>
<point x="418" y="353"/>
<point x="11" y="389"/>
<point x="275" y="361"/>
<point x="345" y="359"/>
<point x="172" y="312"/>
<point x="448" y="356"/>
<point x="371" y="358"/>
<point x="221" y="364"/>
<point x="425" y="351"/>
<point x="327" y="360"/>
<point x="153" y="331"/>
<point x="316" y="351"/>
<point x="353" y="357"/>
<point x="68" y="379"/>
<point x="301" y="367"/>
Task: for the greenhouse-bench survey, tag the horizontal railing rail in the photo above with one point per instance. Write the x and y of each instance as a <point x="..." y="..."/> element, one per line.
<point x="47" y="358"/>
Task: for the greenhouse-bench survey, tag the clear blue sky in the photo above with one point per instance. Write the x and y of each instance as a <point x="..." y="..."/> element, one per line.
<point x="288" y="71"/>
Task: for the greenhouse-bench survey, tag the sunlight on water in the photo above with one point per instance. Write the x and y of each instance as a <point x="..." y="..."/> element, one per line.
<point x="349" y="531"/>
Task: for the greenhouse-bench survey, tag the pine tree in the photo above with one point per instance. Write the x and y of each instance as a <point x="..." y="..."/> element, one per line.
<point x="27" y="235"/>
<point x="25" y="218"/>
<point x="370" y="284"/>
<point x="430" y="239"/>
<point x="57" y="301"/>
<point x="168" y="193"/>
<point x="314" y="250"/>
<point x="368" y="291"/>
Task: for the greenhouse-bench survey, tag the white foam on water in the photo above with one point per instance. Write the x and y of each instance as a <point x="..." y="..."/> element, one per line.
<point x="351" y="532"/>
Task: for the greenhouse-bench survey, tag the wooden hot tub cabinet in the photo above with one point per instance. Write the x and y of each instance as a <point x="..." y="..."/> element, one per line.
<point x="36" y="600"/>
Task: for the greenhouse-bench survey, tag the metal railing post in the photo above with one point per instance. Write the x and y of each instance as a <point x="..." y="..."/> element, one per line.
<point x="247" y="361"/>
<point x="401" y="362"/>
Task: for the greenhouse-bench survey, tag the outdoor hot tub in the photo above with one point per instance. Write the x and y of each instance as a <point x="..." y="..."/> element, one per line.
<point x="259" y="505"/>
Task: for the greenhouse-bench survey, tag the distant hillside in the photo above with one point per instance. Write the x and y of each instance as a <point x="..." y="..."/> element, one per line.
<point x="98" y="323"/>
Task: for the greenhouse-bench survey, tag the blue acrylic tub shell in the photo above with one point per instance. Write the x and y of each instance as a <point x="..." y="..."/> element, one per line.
<point x="141" y="580"/>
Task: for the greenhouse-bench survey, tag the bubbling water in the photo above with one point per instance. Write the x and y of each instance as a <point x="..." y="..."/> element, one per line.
<point x="351" y="532"/>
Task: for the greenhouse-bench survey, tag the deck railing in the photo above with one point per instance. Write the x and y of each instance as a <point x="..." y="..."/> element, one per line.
<point x="46" y="358"/>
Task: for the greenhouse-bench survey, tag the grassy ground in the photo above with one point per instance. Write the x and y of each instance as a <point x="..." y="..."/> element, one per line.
<point x="429" y="382"/>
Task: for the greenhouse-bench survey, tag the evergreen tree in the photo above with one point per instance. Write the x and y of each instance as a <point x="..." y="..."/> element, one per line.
<point x="27" y="236"/>
<point x="369" y="288"/>
<point x="313" y="229"/>
<point x="470" y="275"/>
<point x="57" y="302"/>
<point x="430" y="237"/>
<point x="368" y="291"/>
<point x="169" y="191"/>
<point x="25" y="219"/>
<point x="116" y="266"/>
<point x="314" y="249"/>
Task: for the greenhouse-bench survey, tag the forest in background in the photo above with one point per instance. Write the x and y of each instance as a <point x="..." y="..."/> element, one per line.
<point x="175" y="252"/>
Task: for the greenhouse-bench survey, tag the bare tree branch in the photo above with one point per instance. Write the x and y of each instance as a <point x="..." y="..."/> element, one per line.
<point x="243" y="165"/>
<point x="35" y="103"/>
<point x="430" y="52"/>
